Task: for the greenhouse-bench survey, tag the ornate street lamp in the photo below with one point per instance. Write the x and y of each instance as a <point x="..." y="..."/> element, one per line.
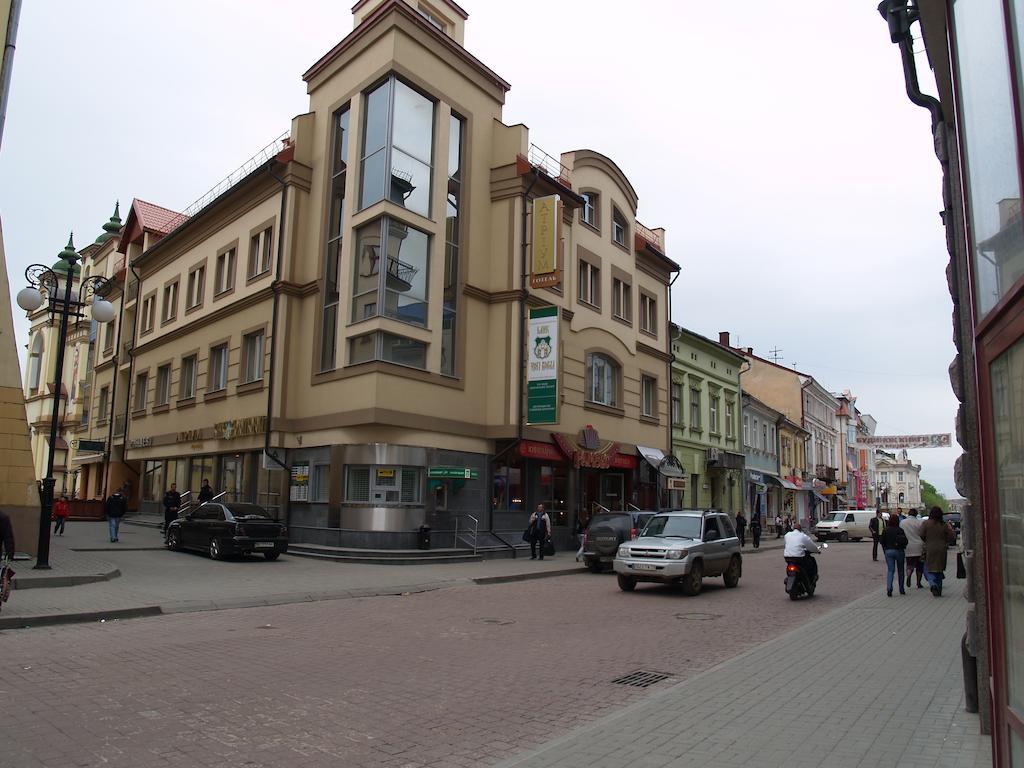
<point x="61" y="303"/>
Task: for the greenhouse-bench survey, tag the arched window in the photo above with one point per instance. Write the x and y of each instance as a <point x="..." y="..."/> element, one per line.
<point x="35" y="362"/>
<point x="603" y="377"/>
<point x="619" y="226"/>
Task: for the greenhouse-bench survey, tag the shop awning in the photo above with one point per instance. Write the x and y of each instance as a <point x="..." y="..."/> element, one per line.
<point x="821" y="498"/>
<point x="87" y="458"/>
<point x="781" y="482"/>
<point x="667" y="466"/>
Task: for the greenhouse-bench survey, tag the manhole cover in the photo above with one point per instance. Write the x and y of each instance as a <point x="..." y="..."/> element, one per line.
<point x="499" y="622"/>
<point x="698" y="616"/>
<point x="641" y="679"/>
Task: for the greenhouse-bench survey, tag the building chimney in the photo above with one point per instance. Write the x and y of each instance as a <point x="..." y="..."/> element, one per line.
<point x="723" y="338"/>
<point x="750" y="350"/>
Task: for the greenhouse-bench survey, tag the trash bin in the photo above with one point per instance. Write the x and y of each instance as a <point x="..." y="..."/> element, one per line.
<point x="423" y="542"/>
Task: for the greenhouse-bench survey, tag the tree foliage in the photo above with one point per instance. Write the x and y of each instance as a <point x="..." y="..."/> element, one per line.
<point x="931" y="497"/>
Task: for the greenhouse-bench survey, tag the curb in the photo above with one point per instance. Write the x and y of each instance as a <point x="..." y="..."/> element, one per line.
<point x="46" y="582"/>
<point x="49" y="620"/>
<point x="529" y="576"/>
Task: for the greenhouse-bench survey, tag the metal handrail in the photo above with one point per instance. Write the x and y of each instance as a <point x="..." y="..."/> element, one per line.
<point x="634" y="506"/>
<point x="476" y="530"/>
<point x="600" y="507"/>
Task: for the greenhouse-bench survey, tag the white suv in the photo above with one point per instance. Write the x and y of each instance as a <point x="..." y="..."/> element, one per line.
<point x="682" y="548"/>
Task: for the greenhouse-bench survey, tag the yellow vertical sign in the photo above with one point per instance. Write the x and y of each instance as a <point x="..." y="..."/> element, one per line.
<point x="547" y="230"/>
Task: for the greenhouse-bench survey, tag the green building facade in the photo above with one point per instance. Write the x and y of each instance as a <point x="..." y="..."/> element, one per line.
<point x="706" y="412"/>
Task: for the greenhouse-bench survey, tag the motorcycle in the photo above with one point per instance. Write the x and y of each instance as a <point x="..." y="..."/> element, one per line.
<point x="798" y="582"/>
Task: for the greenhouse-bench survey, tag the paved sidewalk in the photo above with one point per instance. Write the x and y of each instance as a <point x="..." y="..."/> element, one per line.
<point x="817" y="696"/>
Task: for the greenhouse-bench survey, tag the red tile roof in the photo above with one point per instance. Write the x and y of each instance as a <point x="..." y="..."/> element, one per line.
<point x="156" y="218"/>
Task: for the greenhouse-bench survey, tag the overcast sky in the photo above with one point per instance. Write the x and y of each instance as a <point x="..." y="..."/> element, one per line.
<point x="773" y="141"/>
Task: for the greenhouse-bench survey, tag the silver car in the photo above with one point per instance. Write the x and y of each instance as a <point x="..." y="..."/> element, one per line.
<point x="681" y="548"/>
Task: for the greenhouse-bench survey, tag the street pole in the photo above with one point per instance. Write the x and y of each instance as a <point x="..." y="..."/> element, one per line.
<point x="63" y="310"/>
<point x="30" y="298"/>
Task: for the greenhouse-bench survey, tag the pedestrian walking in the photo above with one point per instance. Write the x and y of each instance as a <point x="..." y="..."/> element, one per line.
<point x="741" y="528"/>
<point x="539" y="531"/>
<point x="7" y="542"/>
<point x="894" y="544"/>
<point x="755" y="529"/>
<point x="115" y="508"/>
<point x="778" y="526"/>
<point x="206" y="492"/>
<point x="582" y="520"/>
<point x="172" y="503"/>
<point x="915" y="546"/>
<point x="60" y="515"/>
<point x="876" y="525"/>
<point x="937" y="535"/>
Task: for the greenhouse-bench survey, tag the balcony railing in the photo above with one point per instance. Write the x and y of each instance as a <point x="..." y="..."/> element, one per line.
<point x="826" y="473"/>
<point x="133" y="290"/>
<point x="119" y="423"/>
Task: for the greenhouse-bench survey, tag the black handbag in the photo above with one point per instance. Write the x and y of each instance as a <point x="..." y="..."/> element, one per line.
<point x="961" y="568"/>
<point x="549" y="547"/>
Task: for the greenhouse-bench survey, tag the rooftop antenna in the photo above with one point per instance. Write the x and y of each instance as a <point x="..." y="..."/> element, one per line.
<point x="775" y="354"/>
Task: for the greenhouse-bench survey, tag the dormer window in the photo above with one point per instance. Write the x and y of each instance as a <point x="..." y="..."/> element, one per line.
<point x="432" y="17"/>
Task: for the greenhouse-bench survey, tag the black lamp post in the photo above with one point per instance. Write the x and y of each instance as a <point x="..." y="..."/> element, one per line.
<point x="61" y="303"/>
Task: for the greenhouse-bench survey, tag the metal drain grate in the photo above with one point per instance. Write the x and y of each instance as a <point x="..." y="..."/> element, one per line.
<point x="641" y="679"/>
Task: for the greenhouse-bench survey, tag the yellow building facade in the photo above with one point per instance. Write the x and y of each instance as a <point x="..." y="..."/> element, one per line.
<point x="340" y="332"/>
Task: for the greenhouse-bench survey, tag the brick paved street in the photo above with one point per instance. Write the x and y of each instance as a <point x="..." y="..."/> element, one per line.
<point x="463" y="676"/>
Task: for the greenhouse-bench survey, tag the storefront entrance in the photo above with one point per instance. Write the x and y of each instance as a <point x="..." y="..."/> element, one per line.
<point x="602" y="489"/>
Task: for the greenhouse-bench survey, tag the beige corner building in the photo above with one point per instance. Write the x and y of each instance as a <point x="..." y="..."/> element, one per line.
<point x="338" y="332"/>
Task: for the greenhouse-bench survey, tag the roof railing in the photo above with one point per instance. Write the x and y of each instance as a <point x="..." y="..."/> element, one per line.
<point x="271" y="150"/>
<point x="550" y="164"/>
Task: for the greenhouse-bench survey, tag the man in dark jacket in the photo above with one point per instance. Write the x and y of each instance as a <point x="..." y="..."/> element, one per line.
<point x="115" y="508"/>
<point x="6" y="535"/>
<point x="741" y="529"/>
<point x="172" y="503"/>
<point x="206" y="492"/>
<point x="876" y="525"/>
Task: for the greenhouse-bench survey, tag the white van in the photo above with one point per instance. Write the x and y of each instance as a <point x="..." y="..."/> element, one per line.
<point x="845" y="525"/>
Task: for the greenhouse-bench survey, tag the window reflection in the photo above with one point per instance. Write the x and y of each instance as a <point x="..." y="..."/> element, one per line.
<point x="402" y="287"/>
<point x="401" y="167"/>
<point x="1007" y="373"/>
<point x="990" y="142"/>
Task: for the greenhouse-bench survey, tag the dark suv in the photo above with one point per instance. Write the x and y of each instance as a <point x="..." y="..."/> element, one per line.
<point x="607" y="530"/>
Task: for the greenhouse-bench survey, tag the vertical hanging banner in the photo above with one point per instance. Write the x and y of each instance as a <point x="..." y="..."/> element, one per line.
<point x="542" y="367"/>
<point x="546" y="240"/>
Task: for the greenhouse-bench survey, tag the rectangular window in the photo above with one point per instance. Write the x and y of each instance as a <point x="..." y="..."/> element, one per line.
<point x="730" y="429"/>
<point x="163" y="385"/>
<point x="187" y="385"/>
<point x="217" y="375"/>
<point x="109" y="335"/>
<point x="590" y="283"/>
<point x="399" y="290"/>
<point x="899" y="477"/>
<point x="622" y="300"/>
<point x="170" y="310"/>
<point x="141" y="385"/>
<point x="398" y="139"/>
<point x="148" y="313"/>
<point x="764" y="437"/>
<point x="588" y="214"/>
<point x="224" y="277"/>
<point x="452" y="248"/>
<point x="196" y="287"/>
<point x="330" y="296"/>
<point x="694" y="408"/>
<point x="379" y="484"/>
<point x="713" y="414"/>
<point x="321" y="482"/>
<point x="677" y="403"/>
<point x="103" y="406"/>
<point x="618" y="227"/>
<point x="261" y="248"/>
<point x="389" y="348"/>
<point x="648" y="396"/>
<point x="252" y="357"/>
<point x="648" y="314"/>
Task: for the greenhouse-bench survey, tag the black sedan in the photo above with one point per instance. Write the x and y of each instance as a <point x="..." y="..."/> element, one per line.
<point x="233" y="528"/>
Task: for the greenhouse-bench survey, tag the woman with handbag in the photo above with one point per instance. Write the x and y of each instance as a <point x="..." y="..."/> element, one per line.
<point x="894" y="544"/>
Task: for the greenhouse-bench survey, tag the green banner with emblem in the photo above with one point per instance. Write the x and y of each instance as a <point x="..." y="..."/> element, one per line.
<point x="542" y="367"/>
